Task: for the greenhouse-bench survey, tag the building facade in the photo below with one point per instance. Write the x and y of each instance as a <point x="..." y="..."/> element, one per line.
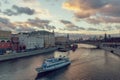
<point x="5" y="43"/>
<point x="15" y="42"/>
<point x="25" y="41"/>
<point x="5" y="35"/>
<point x="48" y="37"/>
<point x="61" y="39"/>
<point x="37" y="39"/>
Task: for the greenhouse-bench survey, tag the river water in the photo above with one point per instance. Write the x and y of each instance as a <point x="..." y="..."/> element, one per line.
<point x="88" y="63"/>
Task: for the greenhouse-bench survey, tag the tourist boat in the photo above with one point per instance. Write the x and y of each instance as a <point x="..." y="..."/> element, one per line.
<point x="53" y="64"/>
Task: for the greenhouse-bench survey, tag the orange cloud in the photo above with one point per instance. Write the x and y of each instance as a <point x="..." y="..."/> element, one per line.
<point x="69" y="6"/>
<point x="83" y="9"/>
<point x="79" y="11"/>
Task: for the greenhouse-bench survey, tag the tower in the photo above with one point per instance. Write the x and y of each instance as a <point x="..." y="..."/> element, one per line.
<point x="68" y="37"/>
<point x="105" y="37"/>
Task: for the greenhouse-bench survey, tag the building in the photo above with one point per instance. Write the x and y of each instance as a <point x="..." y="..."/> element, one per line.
<point x="5" y="43"/>
<point x="29" y="41"/>
<point x="48" y="37"/>
<point x="25" y="41"/>
<point x="15" y="42"/>
<point x="113" y="40"/>
<point x="37" y="39"/>
<point x="61" y="39"/>
<point x="5" y="35"/>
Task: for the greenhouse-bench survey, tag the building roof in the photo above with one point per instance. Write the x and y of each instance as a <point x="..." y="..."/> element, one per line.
<point x="37" y="33"/>
<point x="41" y="32"/>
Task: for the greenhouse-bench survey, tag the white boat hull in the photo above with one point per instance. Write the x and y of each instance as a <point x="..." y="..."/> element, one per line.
<point x="39" y="70"/>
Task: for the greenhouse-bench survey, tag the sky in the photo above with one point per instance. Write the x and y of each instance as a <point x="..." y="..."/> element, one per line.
<point x="63" y="16"/>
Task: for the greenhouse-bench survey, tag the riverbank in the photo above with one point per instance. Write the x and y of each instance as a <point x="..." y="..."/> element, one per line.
<point x="113" y="48"/>
<point x="25" y="54"/>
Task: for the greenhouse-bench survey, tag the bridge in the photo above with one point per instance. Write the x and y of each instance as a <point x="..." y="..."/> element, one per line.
<point x="91" y="42"/>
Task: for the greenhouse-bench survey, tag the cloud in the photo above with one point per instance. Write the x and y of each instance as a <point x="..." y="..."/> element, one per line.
<point x="95" y="29"/>
<point x="38" y="22"/>
<point x="49" y="27"/>
<point x="4" y="20"/>
<point x="24" y="10"/>
<point x="111" y="9"/>
<point x="4" y="1"/>
<point x="70" y="26"/>
<point x="110" y="28"/>
<point x="24" y="7"/>
<point x="92" y="20"/>
<point x="33" y="24"/>
<point x="75" y="28"/>
<point x="24" y="29"/>
<point x="16" y="10"/>
<point x="92" y="29"/>
<point x="117" y="27"/>
<point x="5" y="24"/>
<point x="29" y="25"/>
<point x="103" y="19"/>
<point x="108" y="10"/>
<point x="81" y="28"/>
<point x="9" y="12"/>
<point x="84" y="8"/>
<point x="65" y="22"/>
<point x="27" y="0"/>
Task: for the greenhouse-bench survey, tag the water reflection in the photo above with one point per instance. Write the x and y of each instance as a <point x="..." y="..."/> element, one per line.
<point x="106" y="57"/>
<point x="87" y="64"/>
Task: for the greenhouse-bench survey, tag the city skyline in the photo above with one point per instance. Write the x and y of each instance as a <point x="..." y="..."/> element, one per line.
<point x="64" y="16"/>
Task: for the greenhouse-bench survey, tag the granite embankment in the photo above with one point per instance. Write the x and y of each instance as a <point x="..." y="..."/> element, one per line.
<point x="25" y="54"/>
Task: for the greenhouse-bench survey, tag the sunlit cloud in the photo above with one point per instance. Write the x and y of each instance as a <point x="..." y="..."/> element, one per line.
<point x="88" y="8"/>
<point x="103" y="15"/>
<point x="72" y="16"/>
<point x="83" y="9"/>
<point x="29" y="25"/>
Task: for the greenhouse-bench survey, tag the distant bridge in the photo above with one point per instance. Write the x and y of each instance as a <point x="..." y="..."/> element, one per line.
<point x="95" y="43"/>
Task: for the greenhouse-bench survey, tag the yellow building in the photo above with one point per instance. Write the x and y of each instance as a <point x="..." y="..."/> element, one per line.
<point x="5" y="35"/>
<point x="61" y="39"/>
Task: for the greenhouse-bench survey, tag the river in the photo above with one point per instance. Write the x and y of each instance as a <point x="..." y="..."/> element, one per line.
<point x="88" y="63"/>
